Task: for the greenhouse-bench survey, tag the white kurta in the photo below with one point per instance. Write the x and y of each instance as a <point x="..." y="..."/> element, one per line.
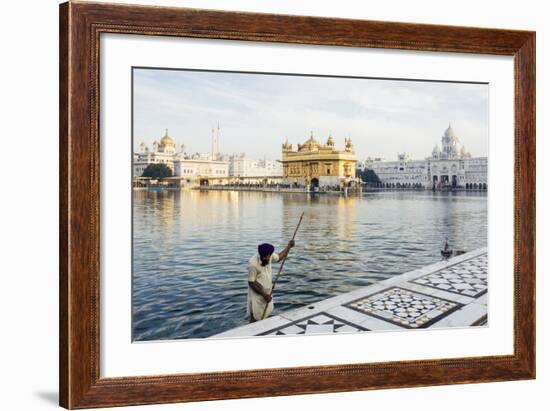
<point x="263" y="275"/>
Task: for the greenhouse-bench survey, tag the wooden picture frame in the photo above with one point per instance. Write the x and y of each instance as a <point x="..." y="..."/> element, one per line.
<point x="80" y="27"/>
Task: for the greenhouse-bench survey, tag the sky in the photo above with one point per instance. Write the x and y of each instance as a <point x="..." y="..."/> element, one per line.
<point x="257" y="112"/>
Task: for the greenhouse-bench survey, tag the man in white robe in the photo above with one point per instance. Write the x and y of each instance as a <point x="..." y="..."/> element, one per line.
<point x="260" y="280"/>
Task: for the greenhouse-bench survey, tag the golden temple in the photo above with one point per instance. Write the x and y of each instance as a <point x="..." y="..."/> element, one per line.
<point x="319" y="165"/>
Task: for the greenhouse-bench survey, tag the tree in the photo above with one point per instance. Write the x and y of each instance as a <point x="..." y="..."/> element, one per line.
<point x="368" y="176"/>
<point x="157" y="171"/>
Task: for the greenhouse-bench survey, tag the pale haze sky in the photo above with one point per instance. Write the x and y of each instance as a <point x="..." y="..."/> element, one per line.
<point x="256" y="112"/>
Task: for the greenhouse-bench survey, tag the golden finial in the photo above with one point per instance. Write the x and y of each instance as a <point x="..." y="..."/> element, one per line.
<point x="330" y="140"/>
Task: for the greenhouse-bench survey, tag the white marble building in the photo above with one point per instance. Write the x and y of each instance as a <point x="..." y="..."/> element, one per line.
<point x="164" y="151"/>
<point x="449" y="166"/>
<point x="196" y="168"/>
<point x="241" y="166"/>
<point x="180" y="162"/>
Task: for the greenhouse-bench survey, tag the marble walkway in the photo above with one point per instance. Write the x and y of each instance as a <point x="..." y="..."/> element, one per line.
<point x="451" y="293"/>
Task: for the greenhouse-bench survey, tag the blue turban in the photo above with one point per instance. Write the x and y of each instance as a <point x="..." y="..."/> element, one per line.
<point x="265" y="249"/>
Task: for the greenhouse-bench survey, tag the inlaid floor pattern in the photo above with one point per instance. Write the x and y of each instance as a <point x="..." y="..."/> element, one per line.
<point x="468" y="278"/>
<point x="403" y="307"/>
<point x="321" y="323"/>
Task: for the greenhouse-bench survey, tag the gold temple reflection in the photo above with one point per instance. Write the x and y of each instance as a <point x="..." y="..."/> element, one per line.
<point x="330" y="216"/>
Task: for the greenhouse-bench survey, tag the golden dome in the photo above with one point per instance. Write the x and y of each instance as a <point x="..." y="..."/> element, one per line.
<point x="167" y="140"/>
<point x="310" y="144"/>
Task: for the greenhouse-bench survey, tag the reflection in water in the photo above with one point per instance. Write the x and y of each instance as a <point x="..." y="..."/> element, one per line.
<point x="191" y="248"/>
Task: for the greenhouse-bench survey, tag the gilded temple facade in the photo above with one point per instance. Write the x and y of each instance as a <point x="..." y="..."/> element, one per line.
<point x="319" y="165"/>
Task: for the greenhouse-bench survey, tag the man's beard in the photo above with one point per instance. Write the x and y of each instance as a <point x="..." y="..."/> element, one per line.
<point x="264" y="263"/>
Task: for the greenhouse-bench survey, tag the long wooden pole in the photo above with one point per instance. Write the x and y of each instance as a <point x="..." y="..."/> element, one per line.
<point x="282" y="265"/>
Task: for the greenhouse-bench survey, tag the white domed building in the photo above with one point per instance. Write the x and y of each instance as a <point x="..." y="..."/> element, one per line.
<point x="163" y="152"/>
<point x="449" y="166"/>
<point x="186" y="168"/>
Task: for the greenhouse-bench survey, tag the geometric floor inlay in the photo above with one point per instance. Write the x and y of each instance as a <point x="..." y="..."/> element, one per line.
<point x="468" y="278"/>
<point x="320" y="323"/>
<point x="405" y="308"/>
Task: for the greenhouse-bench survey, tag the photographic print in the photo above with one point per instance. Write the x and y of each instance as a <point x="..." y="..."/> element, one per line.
<point x="271" y="204"/>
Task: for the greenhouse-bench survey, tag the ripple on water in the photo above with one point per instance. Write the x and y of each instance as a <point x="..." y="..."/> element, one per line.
<point x="190" y="249"/>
